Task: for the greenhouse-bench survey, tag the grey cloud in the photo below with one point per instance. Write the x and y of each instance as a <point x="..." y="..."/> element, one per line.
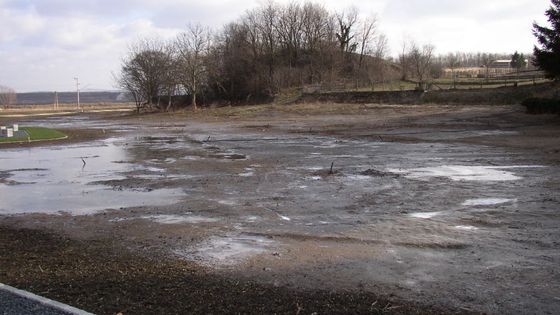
<point x="206" y="13"/>
<point x="480" y="10"/>
<point x="50" y="8"/>
<point x="171" y="11"/>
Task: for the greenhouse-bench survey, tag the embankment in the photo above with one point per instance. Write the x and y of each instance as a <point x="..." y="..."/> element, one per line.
<point x="497" y="96"/>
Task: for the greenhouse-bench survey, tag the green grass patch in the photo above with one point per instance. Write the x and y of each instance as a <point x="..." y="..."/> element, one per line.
<point x="36" y="134"/>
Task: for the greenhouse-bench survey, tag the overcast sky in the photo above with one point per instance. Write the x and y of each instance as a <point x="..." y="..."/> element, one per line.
<point x="44" y="44"/>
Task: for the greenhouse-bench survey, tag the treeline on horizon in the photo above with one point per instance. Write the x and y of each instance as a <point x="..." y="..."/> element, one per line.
<point x="272" y="48"/>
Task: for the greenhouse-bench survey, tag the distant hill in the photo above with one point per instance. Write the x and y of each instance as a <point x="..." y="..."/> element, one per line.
<point x="47" y="98"/>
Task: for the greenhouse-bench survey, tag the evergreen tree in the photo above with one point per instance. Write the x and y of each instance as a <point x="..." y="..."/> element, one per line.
<point x="518" y="61"/>
<point x="547" y="57"/>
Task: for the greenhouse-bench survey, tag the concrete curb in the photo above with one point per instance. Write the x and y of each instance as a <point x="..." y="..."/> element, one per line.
<point x="44" y="301"/>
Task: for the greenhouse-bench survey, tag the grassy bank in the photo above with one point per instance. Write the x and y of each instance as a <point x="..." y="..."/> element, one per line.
<point x="482" y="96"/>
<point x="36" y="134"/>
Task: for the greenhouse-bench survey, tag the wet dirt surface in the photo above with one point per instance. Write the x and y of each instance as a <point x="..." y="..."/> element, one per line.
<point x="457" y="206"/>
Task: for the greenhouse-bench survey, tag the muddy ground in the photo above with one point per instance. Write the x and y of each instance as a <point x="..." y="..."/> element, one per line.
<point x="425" y="209"/>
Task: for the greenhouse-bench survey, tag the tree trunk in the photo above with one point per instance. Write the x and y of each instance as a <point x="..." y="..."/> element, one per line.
<point x="169" y="101"/>
<point x="194" y="92"/>
<point x="194" y="101"/>
<point x="454" y="80"/>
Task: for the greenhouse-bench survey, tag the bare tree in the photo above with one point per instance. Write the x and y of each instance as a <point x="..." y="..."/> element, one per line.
<point x="316" y="29"/>
<point x="290" y="30"/>
<point x="378" y="68"/>
<point x="368" y="32"/>
<point x="381" y="46"/>
<point x="421" y="61"/>
<point x="345" y="35"/>
<point x="234" y="67"/>
<point x="192" y="48"/>
<point x="315" y="25"/>
<point x="268" y="20"/>
<point x="249" y="26"/>
<point x="277" y="46"/>
<point x="486" y="61"/>
<point x="145" y="72"/>
<point x="453" y="62"/>
<point x="129" y="82"/>
<point x="8" y="96"/>
<point x="404" y="59"/>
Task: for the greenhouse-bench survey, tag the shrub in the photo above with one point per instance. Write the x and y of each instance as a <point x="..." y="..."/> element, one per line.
<point x="542" y="105"/>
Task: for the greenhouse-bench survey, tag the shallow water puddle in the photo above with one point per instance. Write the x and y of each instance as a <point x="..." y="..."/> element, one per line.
<point x="229" y="156"/>
<point x="249" y="172"/>
<point x="283" y="217"/>
<point x="487" y="201"/>
<point x="227" y="251"/>
<point x="191" y="158"/>
<point x="67" y="199"/>
<point x="227" y="202"/>
<point x="352" y="178"/>
<point x="59" y="179"/>
<point x="165" y="142"/>
<point x="179" y="219"/>
<point x="466" y="227"/>
<point x="330" y="144"/>
<point x="425" y="215"/>
<point x="251" y="218"/>
<point x="465" y="173"/>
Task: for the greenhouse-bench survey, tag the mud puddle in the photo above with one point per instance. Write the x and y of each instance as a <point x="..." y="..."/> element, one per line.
<point x="466" y="172"/>
<point x="488" y="201"/>
<point x="447" y="203"/>
<point x="228" y="251"/>
<point x="446" y="211"/>
<point x="78" y="121"/>
<point x="178" y="219"/>
<point x="61" y="179"/>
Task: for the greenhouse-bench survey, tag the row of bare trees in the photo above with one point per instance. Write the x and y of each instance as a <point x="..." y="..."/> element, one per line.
<point x="154" y="69"/>
<point x="416" y="62"/>
<point x="8" y="96"/>
<point x="270" y="48"/>
<point x="295" y="45"/>
<point x="420" y="64"/>
<point x="462" y="59"/>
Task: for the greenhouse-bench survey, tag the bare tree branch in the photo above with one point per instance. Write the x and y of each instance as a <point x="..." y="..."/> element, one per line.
<point x="8" y="96"/>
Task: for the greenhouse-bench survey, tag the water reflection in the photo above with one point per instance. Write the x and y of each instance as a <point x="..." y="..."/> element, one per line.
<point x="54" y="179"/>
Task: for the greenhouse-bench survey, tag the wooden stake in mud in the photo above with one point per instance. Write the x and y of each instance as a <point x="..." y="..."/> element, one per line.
<point x="331" y="172"/>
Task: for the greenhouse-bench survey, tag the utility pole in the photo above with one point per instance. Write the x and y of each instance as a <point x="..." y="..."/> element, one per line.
<point x="78" y="90"/>
<point x="55" y="100"/>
